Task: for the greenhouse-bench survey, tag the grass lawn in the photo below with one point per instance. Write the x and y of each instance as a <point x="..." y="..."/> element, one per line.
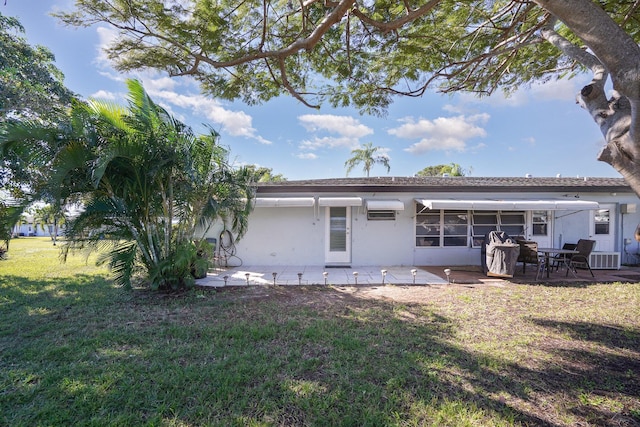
<point x="74" y="350"/>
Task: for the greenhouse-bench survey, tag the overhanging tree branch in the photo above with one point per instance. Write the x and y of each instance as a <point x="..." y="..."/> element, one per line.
<point x="411" y="16"/>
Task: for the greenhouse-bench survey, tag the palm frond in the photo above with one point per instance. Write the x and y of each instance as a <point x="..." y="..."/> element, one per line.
<point x="110" y="113"/>
<point x="122" y="263"/>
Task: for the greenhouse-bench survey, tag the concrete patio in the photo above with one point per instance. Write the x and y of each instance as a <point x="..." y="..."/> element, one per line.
<point x="399" y="275"/>
<point x="318" y="275"/>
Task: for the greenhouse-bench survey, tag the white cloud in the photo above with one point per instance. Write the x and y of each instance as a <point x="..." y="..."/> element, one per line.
<point x="455" y="109"/>
<point x="165" y="91"/>
<point x="328" y="142"/>
<point x="307" y="156"/>
<point x="341" y="125"/>
<point x="160" y="83"/>
<point x="345" y="131"/>
<point x="111" y="75"/>
<point x="563" y="90"/>
<point x="106" y="36"/>
<point x="498" y="99"/>
<point x="553" y="90"/>
<point x="103" y="94"/>
<point x="443" y="133"/>
<point x="383" y="152"/>
<point x="235" y="123"/>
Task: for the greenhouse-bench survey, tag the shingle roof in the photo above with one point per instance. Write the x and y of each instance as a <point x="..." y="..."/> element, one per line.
<point x="450" y="184"/>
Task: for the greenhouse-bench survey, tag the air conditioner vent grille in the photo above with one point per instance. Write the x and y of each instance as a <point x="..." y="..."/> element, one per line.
<point x="605" y="260"/>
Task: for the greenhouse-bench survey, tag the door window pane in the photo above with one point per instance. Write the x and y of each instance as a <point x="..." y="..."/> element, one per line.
<point x="540" y="222"/>
<point x="602" y="221"/>
<point x="338" y="229"/>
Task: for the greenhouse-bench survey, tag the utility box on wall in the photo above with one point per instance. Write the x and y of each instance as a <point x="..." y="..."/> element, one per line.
<point x="627" y="208"/>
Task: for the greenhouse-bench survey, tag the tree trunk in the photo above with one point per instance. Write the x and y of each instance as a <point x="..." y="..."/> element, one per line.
<point x="616" y="54"/>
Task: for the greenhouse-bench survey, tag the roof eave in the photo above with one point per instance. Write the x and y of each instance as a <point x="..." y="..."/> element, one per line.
<point x="272" y="189"/>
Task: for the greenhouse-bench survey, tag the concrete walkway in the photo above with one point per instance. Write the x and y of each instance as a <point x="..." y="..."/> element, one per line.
<point x="399" y="275"/>
<point x="315" y="275"/>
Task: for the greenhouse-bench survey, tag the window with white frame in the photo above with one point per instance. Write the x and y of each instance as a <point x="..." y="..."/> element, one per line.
<point x="427" y="227"/>
<point x="441" y="227"/>
<point x="455" y="230"/>
<point x="540" y="223"/>
<point x="511" y="222"/>
<point x="483" y="222"/>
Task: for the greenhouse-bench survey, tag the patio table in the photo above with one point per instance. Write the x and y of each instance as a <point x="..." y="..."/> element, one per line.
<point x="556" y="251"/>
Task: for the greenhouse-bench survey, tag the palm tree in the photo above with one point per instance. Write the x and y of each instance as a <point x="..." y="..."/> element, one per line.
<point x="366" y="156"/>
<point x="50" y="216"/>
<point x="148" y="184"/>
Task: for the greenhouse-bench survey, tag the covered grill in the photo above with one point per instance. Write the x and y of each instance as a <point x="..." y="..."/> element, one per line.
<point x="499" y="254"/>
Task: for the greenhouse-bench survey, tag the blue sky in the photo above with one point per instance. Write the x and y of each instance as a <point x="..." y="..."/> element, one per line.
<point x="539" y="131"/>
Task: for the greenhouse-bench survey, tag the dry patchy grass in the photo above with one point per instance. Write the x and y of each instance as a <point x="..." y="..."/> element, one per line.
<point x="74" y="350"/>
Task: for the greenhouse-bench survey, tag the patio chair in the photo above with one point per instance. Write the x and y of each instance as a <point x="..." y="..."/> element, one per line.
<point x="528" y="254"/>
<point x="581" y="259"/>
<point x="563" y="259"/>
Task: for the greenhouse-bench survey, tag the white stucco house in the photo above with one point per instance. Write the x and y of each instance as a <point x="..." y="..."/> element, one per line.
<point x="414" y="221"/>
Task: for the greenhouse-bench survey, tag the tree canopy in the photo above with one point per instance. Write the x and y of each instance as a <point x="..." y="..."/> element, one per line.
<point x="30" y="84"/>
<point x="31" y="88"/>
<point x="150" y="186"/>
<point x="264" y="174"/>
<point x="452" y="169"/>
<point x="347" y="52"/>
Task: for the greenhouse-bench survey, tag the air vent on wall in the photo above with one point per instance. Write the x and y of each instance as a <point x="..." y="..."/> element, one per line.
<point x="605" y="260"/>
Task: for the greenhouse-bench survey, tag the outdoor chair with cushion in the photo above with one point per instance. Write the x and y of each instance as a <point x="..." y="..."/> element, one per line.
<point x="528" y="254"/>
<point x="581" y="259"/>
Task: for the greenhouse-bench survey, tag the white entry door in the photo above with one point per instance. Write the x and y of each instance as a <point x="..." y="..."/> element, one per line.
<point x="338" y="235"/>
<point x="602" y="227"/>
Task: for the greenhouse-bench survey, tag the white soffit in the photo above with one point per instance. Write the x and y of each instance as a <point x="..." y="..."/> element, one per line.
<point x="285" y="202"/>
<point x="339" y="201"/>
<point x="385" y="205"/>
<point x="510" y="205"/>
